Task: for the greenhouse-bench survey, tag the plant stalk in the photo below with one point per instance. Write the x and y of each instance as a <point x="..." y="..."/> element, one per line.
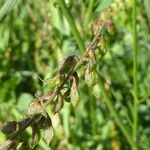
<point x="115" y="113"/>
<point x="89" y="12"/>
<point x="72" y="25"/>
<point x="135" y="82"/>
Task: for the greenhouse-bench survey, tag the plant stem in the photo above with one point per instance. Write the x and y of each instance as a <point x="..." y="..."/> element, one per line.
<point x="89" y="12"/>
<point x="72" y="25"/>
<point x="114" y="113"/>
<point x="135" y="83"/>
<point x="92" y="112"/>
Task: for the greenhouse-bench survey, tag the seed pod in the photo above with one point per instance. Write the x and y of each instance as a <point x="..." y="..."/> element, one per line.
<point x="91" y="77"/>
<point x="9" y="127"/>
<point x="59" y="103"/>
<point x="74" y="93"/>
<point x="48" y="134"/>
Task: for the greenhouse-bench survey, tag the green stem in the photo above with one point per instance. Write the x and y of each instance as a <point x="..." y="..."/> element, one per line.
<point x="66" y="116"/>
<point x="117" y="118"/>
<point x="72" y="25"/>
<point x="135" y="83"/>
<point x="89" y="12"/>
<point x="92" y="112"/>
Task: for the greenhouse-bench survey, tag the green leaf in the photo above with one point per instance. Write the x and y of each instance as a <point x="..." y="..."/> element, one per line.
<point x="6" y="8"/>
<point x="104" y="4"/>
<point x="74" y="95"/>
<point x="24" y="100"/>
<point x="91" y="77"/>
<point x="147" y="8"/>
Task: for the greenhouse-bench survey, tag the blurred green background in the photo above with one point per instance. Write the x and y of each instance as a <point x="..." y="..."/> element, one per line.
<point x="36" y="36"/>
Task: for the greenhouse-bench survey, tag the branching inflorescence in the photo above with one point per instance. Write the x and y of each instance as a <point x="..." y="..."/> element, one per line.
<point x="37" y="117"/>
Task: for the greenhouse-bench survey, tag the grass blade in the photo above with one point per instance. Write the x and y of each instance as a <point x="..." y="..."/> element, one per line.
<point x="6" y="8"/>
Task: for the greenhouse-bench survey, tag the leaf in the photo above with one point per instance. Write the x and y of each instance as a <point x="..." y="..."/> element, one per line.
<point x="147" y="8"/>
<point x="48" y="134"/>
<point x="104" y="4"/>
<point x="36" y="135"/>
<point x="23" y="102"/>
<point x="48" y="129"/>
<point x="9" y="127"/>
<point x="68" y="64"/>
<point x="59" y="103"/>
<point x="6" y="8"/>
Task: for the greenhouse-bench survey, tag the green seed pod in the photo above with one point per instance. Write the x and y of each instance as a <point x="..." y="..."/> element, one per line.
<point x="48" y="134"/>
<point x="91" y="77"/>
<point x="9" y="127"/>
<point x="74" y="93"/>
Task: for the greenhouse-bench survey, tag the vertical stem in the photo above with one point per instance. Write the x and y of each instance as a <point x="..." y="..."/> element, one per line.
<point x="73" y="27"/>
<point x="89" y="12"/>
<point x="114" y="112"/>
<point x="92" y="112"/>
<point x="66" y="116"/>
<point x="135" y="83"/>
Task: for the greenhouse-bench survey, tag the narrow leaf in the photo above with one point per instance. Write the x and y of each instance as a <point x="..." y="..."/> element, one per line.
<point x="6" y="8"/>
<point x="104" y="4"/>
<point x="91" y="77"/>
<point x="74" y="93"/>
